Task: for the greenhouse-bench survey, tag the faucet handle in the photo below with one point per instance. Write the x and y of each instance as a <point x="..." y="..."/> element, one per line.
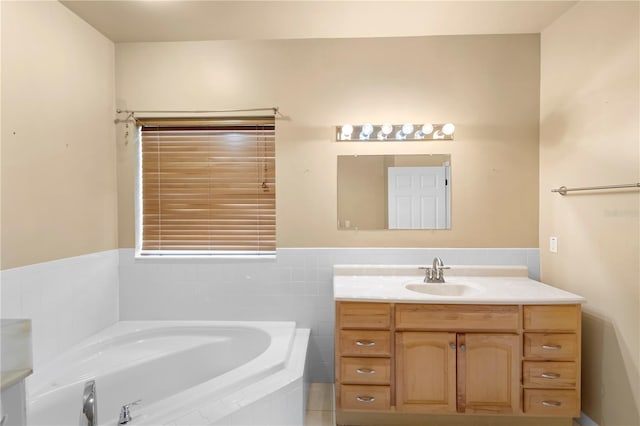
<point x="428" y="276"/>
<point x="125" y="414"/>
<point x="136" y="402"/>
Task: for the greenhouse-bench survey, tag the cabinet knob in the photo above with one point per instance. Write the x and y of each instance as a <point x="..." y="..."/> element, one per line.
<point x="365" y="398"/>
<point x="463" y="347"/>
<point x="365" y="371"/>
<point x="550" y="376"/>
<point x="452" y="345"/>
<point x="367" y="343"/>
<point x="551" y="403"/>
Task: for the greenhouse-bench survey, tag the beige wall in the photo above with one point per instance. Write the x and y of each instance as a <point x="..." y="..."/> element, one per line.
<point x="58" y="141"/>
<point x="487" y="85"/>
<point x="589" y="135"/>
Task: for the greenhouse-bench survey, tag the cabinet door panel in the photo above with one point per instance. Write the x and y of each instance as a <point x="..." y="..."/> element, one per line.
<point x="491" y="366"/>
<point x="426" y="372"/>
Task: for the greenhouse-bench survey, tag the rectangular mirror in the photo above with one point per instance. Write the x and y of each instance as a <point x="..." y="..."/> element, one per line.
<point x="394" y="191"/>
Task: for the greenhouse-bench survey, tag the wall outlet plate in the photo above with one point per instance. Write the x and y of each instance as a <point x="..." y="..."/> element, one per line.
<point x="553" y="244"/>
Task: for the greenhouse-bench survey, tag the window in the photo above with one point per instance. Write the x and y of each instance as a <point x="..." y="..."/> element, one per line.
<point x="207" y="187"/>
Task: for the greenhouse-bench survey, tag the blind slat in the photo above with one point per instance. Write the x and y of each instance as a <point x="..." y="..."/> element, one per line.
<point x="208" y="188"/>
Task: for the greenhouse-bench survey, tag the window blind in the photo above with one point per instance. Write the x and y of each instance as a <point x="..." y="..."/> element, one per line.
<point x="208" y="186"/>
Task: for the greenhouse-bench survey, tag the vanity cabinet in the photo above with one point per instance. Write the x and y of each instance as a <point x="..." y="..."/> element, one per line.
<point x="471" y="367"/>
<point x="551" y="360"/>
<point x="363" y="356"/>
<point x="465" y="359"/>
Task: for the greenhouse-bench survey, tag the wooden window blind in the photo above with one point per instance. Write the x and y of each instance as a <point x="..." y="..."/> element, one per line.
<point x="208" y="186"/>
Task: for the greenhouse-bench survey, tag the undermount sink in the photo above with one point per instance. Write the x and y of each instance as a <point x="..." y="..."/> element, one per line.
<point x="443" y="289"/>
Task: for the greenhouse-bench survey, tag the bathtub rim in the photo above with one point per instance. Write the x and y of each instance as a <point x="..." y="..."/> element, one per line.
<point x="272" y="359"/>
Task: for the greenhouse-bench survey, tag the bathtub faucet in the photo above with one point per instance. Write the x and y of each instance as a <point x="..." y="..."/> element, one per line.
<point x="125" y="413"/>
<point x="89" y="405"/>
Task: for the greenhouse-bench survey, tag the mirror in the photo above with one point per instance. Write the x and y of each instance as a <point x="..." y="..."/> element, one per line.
<point x="394" y="192"/>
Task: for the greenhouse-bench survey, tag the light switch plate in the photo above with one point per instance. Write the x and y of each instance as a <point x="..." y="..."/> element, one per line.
<point x="553" y="244"/>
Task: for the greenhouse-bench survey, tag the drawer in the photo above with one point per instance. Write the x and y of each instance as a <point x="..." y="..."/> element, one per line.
<point x="457" y="317"/>
<point x="545" y="374"/>
<point x="551" y="317"/>
<point x="372" y="371"/>
<point x="551" y="403"/>
<point x="364" y="342"/>
<point x="551" y="346"/>
<point x="354" y="397"/>
<point x="364" y="315"/>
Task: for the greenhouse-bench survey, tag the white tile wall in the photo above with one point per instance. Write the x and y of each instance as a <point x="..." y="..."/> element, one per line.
<point x="70" y="299"/>
<point x="296" y="286"/>
<point x="67" y="300"/>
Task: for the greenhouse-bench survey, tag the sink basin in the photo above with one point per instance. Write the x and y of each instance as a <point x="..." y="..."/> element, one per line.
<point x="443" y="289"/>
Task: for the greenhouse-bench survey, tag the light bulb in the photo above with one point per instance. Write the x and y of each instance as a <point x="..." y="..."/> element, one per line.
<point x="407" y="128"/>
<point x="427" y="128"/>
<point x="438" y="134"/>
<point x="400" y="135"/>
<point x="386" y="129"/>
<point x="448" y="129"/>
<point x="366" y="131"/>
<point x="346" y="131"/>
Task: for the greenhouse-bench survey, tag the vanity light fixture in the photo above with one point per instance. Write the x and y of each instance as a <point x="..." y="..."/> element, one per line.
<point x="395" y="132"/>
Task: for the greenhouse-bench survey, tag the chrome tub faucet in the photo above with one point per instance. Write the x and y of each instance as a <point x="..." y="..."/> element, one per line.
<point x="89" y="405"/>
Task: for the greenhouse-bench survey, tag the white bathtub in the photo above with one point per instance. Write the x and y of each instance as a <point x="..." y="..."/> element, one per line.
<point x="185" y="373"/>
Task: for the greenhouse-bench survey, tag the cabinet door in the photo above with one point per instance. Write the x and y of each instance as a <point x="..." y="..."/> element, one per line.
<point x="488" y="373"/>
<point x="426" y="372"/>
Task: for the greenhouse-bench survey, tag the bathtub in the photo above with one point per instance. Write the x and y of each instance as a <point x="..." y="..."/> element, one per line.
<point x="184" y="373"/>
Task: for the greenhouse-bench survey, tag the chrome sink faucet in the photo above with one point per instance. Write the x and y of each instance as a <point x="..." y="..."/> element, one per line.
<point x="435" y="273"/>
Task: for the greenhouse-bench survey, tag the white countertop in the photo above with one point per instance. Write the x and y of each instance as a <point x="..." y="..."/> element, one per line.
<point x="16" y="351"/>
<point x="505" y="285"/>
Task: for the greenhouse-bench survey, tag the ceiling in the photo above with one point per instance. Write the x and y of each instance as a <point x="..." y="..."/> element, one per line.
<point x="182" y="20"/>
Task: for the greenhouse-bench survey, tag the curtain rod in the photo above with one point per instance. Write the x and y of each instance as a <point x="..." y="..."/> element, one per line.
<point x="276" y="111"/>
<point x="563" y="189"/>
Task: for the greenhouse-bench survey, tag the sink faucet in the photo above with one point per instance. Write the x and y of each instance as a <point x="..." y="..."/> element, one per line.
<point x="435" y="274"/>
<point x="125" y="412"/>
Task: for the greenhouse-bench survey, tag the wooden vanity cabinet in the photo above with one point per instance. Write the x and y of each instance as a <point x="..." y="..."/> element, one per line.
<point x="551" y="360"/>
<point x="466" y="359"/>
<point x="471" y="367"/>
<point x="363" y="347"/>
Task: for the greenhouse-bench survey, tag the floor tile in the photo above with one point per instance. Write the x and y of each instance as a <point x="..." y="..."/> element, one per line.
<point x="320" y="397"/>
<point x="319" y="418"/>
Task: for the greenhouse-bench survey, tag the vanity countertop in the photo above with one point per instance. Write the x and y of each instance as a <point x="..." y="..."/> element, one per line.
<point x="483" y="284"/>
<point x="16" y="351"/>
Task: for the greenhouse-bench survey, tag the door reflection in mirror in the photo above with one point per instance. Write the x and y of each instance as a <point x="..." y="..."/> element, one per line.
<point x="394" y="192"/>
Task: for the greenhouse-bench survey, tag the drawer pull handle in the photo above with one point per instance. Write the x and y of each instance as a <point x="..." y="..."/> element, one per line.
<point x="550" y="376"/>
<point x="365" y="371"/>
<point x="551" y="403"/>
<point x="552" y="347"/>
<point x="367" y="399"/>
<point x="367" y="343"/>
